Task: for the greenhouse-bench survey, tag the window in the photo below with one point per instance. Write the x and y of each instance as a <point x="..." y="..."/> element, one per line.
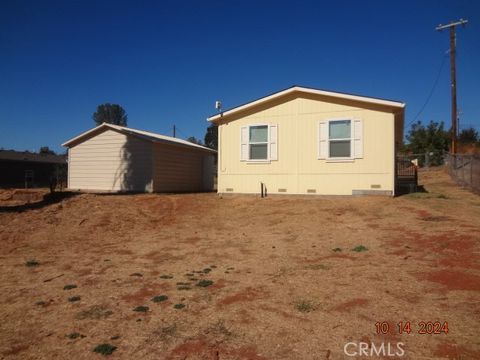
<point x="340" y="138"/>
<point x="258" y="142"/>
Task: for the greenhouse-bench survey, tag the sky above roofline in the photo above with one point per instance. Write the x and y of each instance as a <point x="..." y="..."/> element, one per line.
<point x="168" y="62"/>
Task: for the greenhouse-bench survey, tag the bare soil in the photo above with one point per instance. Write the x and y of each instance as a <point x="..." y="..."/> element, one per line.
<point x="286" y="283"/>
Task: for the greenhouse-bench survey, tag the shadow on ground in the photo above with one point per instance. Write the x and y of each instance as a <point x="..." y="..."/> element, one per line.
<point x="48" y="199"/>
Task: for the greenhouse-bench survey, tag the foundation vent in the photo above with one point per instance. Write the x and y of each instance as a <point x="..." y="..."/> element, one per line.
<point x="311" y="191"/>
<point x="229" y="189"/>
<point x="375" y="186"/>
<point x="282" y="190"/>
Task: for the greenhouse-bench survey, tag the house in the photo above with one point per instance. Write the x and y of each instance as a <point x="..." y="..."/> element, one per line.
<point x="29" y="169"/>
<point x="115" y="158"/>
<point x="309" y="141"/>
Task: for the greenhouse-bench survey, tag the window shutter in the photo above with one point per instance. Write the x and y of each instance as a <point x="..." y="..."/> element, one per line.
<point x="273" y="142"/>
<point x="357" y="139"/>
<point x="244" y="143"/>
<point x="322" y="140"/>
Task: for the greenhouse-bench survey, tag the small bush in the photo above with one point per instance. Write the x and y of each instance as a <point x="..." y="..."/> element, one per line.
<point x="74" y="298"/>
<point x="73" y="335"/>
<point x="105" y="349"/>
<point x="166" y="277"/>
<point x="337" y="249"/>
<point x="204" y="283"/>
<point x="136" y="274"/>
<point x="179" y="306"/>
<point x="206" y="270"/>
<point x="32" y="263"/>
<point x="304" y="306"/>
<point x="69" y="287"/>
<point x="359" y="248"/>
<point x="141" y="309"/>
<point x="159" y="298"/>
<point x="40" y="303"/>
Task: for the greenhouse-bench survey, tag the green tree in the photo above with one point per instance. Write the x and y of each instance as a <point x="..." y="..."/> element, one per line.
<point x="194" y="140"/>
<point x="46" y="150"/>
<point x="468" y="136"/>
<point x="211" y="137"/>
<point x="431" y="138"/>
<point x="110" y="113"/>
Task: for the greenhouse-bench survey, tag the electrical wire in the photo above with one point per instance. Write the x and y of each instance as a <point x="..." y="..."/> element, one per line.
<point x="431" y="91"/>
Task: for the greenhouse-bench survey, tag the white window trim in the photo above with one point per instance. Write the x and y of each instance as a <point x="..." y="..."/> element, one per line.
<point x="267" y="160"/>
<point x="350" y="158"/>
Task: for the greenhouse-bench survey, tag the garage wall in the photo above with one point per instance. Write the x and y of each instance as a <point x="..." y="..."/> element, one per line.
<point x="111" y="161"/>
<point x="177" y="169"/>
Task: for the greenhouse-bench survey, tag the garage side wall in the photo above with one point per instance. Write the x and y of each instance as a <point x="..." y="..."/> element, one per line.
<point x="177" y="169"/>
<point x="111" y="161"/>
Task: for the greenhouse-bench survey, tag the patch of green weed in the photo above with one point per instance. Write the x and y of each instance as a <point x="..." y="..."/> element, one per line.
<point x="179" y="306"/>
<point x="141" y="309"/>
<point x="159" y="298"/>
<point x="359" y="248"/>
<point x="105" y="349"/>
<point x="204" y="283"/>
<point x="31" y="263"/>
<point x="304" y="306"/>
<point x="69" y="287"/>
<point x="74" y="298"/>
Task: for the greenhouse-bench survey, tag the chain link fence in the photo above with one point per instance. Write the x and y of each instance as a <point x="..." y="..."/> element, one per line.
<point x="465" y="170"/>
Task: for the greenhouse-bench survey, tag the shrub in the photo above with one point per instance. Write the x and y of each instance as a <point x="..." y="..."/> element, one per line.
<point x="105" y="349"/>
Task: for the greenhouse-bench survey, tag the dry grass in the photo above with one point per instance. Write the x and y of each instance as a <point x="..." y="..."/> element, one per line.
<point x="283" y="281"/>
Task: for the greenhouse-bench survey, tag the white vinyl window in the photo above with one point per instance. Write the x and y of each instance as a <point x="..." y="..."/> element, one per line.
<point x="258" y="142"/>
<point x="340" y="139"/>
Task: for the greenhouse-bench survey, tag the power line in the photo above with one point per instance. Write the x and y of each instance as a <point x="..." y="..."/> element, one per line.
<point x="431" y="91"/>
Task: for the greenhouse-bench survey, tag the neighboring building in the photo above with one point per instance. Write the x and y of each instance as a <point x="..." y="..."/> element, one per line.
<point x="20" y="169"/>
<point x="115" y="158"/>
<point x="308" y="141"/>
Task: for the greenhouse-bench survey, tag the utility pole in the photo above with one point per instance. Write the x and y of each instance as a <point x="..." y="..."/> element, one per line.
<point x="174" y="131"/>
<point x="453" y="76"/>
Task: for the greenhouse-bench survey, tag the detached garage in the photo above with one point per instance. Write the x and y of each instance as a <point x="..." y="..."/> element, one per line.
<point x="115" y="158"/>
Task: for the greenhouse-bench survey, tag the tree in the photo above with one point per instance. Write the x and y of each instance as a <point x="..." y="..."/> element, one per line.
<point x="110" y="113"/>
<point x="211" y="137"/>
<point x="194" y="140"/>
<point x="432" y="138"/>
<point x="468" y="136"/>
<point x="46" y="151"/>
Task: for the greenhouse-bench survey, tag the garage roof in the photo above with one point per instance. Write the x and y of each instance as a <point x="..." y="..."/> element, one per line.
<point x="146" y="135"/>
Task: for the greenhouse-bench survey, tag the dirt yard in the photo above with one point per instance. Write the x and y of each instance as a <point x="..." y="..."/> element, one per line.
<point x="289" y="278"/>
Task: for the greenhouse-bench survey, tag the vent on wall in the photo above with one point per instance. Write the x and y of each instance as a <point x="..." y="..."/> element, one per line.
<point x="311" y="191"/>
<point x="375" y="186"/>
<point x="229" y="189"/>
<point x="282" y="190"/>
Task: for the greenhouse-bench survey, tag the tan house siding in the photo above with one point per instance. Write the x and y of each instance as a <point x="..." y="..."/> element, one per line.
<point x="298" y="169"/>
<point x="111" y="161"/>
<point x="177" y="169"/>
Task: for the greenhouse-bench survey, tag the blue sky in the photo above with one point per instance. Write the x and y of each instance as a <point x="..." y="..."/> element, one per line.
<point x="166" y="62"/>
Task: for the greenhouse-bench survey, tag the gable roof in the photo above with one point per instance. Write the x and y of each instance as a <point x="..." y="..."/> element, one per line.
<point x="307" y="90"/>
<point x="26" y="156"/>
<point x="146" y="135"/>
